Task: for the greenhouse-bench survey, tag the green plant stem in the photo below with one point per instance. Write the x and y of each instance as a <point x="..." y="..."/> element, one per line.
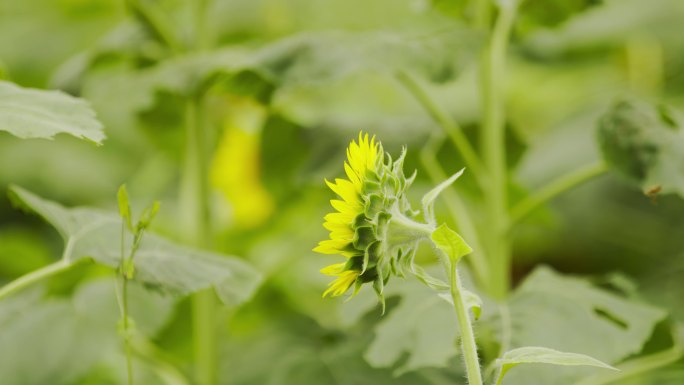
<point x="554" y="188"/>
<point x="123" y="273"/>
<point x="468" y="345"/>
<point x="482" y="14"/>
<point x="452" y="128"/>
<point x="196" y="202"/>
<point x="127" y="337"/>
<point x="494" y="152"/>
<point x="38" y="275"/>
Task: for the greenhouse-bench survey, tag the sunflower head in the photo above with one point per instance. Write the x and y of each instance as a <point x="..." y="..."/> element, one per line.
<point x="371" y="225"/>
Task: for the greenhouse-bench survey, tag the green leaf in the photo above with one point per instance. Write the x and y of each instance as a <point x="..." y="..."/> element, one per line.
<point x="449" y="242"/>
<point x="646" y="145"/>
<point x="31" y="113"/>
<point x="59" y="340"/>
<point x="569" y="314"/>
<point x="124" y="205"/>
<point x="539" y="355"/>
<point x="313" y="59"/>
<point x="428" y="200"/>
<point x="421" y="328"/>
<point x="160" y="263"/>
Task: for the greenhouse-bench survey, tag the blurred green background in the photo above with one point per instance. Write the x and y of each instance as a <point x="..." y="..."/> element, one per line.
<point x="278" y="133"/>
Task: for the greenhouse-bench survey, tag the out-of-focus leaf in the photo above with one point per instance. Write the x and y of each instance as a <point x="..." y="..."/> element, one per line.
<point x="607" y="23"/>
<point x="149" y="310"/>
<point x="315" y="355"/>
<point x="539" y="355"/>
<point x="646" y="145"/>
<point x="311" y="59"/>
<point x="569" y="314"/>
<point x="37" y="331"/>
<point x="422" y="327"/>
<point x="32" y="113"/>
<point x="544" y="13"/>
<point x="159" y="263"/>
<point x="43" y="334"/>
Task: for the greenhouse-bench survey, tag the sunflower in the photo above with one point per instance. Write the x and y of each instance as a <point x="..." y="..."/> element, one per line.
<point x="361" y="167"/>
<point x="372" y="225"/>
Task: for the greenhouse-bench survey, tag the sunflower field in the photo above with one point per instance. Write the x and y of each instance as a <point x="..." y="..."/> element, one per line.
<point x="341" y="192"/>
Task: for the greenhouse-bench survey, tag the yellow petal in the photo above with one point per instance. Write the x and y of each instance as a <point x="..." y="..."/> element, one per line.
<point x="345" y="189"/>
<point x="341" y="284"/>
<point x="346" y="207"/>
<point x="331" y="246"/>
<point x="334" y="270"/>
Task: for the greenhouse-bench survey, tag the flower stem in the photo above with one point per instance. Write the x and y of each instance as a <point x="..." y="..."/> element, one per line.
<point x="468" y="345"/>
<point x="196" y="203"/>
<point x="448" y="125"/>
<point x="38" y="275"/>
<point x="494" y="150"/>
<point x="553" y="189"/>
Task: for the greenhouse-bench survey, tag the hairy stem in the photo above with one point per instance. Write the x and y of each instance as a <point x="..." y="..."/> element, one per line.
<point x="38" y="275"/>
<point x="468" y="345"/>
<point x="554" y="188"/>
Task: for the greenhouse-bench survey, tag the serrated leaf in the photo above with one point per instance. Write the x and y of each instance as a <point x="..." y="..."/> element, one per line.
<point x="159" y="263"/>
<point x="645" y="144"/>
<point x="449" y="242"/>
<point x="32" y="113"/>
<point x="540" y="355"/>
<point x="569" y="314"/>
<point x="428" y="200"/>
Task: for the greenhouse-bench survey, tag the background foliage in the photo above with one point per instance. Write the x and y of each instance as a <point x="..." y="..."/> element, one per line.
<point x="289" y="83"/>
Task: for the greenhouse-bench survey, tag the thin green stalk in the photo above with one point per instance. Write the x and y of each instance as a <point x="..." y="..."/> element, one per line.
<point x="448" y="125"/>
<point x="554" y="188"/>
<point x="457" y="208"/>
<point x="468" y="345"/>
<point x="482" y="14"/>
<point x="38" y="275"/>
<point x="127" y="337"/>
<point x="196" y="184"/>
<point x="196" y="201"/>
<point x="123" y="273"/>
<point x="494" y="151"/>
